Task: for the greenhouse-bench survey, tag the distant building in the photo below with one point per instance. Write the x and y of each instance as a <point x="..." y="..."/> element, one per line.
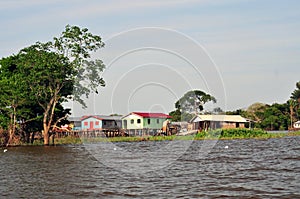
<point x="296" y="125"/>
<point x="141" y="120"/>
<point x="75" y="123"/>
<point x="93" y="122"/>
<point x="205" y="122"/>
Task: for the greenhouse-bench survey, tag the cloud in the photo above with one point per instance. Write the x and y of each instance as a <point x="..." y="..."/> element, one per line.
<point x="25" y="4"/>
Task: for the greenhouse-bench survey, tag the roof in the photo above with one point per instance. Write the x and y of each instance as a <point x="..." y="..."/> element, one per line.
<point x="101" y="117"/>
<point x="221" y="118"/>
<point x="150" y="115"/>
<point x="74" y="119"/>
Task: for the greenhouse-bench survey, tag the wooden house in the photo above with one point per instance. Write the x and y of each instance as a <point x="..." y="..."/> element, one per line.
<point x="141" y="120"/>
<point x="205" y="122"/>
<point x="98" y="122"/>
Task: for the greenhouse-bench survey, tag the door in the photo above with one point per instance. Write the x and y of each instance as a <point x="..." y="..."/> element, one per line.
<point x="91" y="125"/>
<point x="125" y="124"/>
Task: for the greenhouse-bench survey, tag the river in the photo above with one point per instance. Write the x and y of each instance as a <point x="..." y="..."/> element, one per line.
<point x="246" y="168"/>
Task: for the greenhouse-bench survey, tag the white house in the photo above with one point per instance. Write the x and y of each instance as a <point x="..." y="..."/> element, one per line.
<point x="297" y="125"/>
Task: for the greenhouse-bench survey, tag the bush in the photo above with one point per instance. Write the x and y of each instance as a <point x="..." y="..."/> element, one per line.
<point x="232" y="133"/>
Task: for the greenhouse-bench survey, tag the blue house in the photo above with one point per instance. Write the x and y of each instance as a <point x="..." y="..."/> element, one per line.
<point x="98" y="122"/>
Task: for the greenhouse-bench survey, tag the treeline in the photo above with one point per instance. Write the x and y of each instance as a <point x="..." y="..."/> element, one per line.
<point x="275" y="116"/>
<point x="268" y="117"/>
<point x="38" y="79"/>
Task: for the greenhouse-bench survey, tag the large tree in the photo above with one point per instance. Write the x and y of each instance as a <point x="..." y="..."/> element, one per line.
<point x="193" y="101"/>
<point x="60" y="70"/>
<point x="294" y="103"/>
<point x="296" y="93"/>
<point x="13" y="98"/>
<point x="191" y="104"/>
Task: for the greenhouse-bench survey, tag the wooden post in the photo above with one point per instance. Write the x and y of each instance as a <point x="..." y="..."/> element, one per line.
<point x="53" y="136"/>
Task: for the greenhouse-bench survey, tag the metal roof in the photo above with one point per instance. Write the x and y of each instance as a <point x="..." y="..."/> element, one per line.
<point x="149" y="115"/>
<point x="152" y="115"/>
<point x="74" y="119"/>
<point x="220" y="118"/>
<point x="102" y="117"/>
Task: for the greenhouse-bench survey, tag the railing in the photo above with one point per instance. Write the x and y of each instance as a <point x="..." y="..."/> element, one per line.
<point x="108" y="133"/>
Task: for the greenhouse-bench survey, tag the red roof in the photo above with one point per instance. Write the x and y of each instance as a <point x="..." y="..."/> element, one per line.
<point x="88" y="116"/>
<point x="152" y="115"/>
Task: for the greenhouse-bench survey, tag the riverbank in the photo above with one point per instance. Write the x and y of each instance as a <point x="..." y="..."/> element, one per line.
<point x="217" y="134"/>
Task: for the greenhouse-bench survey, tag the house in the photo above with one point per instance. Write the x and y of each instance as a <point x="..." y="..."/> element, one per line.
<point x="97" y="122"/>
<point x="142" y="120"/>
<point x="205" y="122"/>
<point x="296" y="125"/>
<point x="75" y="123"/>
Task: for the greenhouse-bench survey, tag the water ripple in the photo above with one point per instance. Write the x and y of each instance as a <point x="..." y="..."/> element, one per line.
<point x="245" y="169"/>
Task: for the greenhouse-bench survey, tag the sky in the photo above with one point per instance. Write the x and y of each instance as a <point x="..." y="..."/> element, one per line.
<point x="240" y="51"/>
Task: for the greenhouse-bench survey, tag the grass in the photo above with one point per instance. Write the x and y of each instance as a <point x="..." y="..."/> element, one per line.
<point x="216" y="134"/>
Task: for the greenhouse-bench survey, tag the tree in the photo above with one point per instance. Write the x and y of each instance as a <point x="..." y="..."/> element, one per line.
<point x="275" y="117"/>
<point x="52" y="73"/>
<point x="57" y="69"/>
<point x="292" y="104"/>
<point x="193" y="101"/>
<point x="256" y="111"/>
<point x="50" y="79"/>
<point x="191" y="104"/>
<point x="296" y="97"/>
<point x="176" y="115"/>
<point x="218" y="110"/>
<point x="13" y="98"/>
<point x="296" y="93"/>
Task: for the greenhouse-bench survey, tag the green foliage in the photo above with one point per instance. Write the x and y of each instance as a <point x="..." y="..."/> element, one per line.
<point x="190" y="104"/>
<point x="67" y="140"/>
<point x="296" y="93"/>
<point x="268" y="117"/>
<point x="14" y="97"/>
<point x="294" y="103"/>
<point x="35" y="82"/>
<point x="275" y="117"/>
<point x="193" y="101"/>
<point x="231" y="133"/>
<point x="77" y="44"/>
<point x="177" y="116"/>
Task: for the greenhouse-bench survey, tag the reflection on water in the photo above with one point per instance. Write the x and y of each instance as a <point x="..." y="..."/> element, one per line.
<point x="246" y="169"/>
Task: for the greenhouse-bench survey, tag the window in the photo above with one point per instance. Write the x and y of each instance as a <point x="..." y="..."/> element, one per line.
<point x="131" y="121"/>
<point x="157" y="121"/>
<point x="149" y="121"/>
<point x="138" y="121"/>
<point x="86" y="123"/>
<point x="97" y="123"/>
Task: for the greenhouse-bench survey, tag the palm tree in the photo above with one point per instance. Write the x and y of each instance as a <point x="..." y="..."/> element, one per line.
<point x="292" y="103"/>
<point x="296" y="97"/>
<point x="296" y="93"/>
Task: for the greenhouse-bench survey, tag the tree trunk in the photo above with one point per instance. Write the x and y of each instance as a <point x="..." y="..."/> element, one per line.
<point x="46" y="136"/>
<point x="32" y="138"/>
<point x="53" y="136"/>
<point x="11" y="130"/>
<point x="47" y="120"/>
<point x="10" y="138"/>
<point x="292" y="113"/>
<point x="46" y="130"/>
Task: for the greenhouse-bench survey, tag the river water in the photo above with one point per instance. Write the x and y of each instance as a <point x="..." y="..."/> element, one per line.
<point x="246" y="168"/>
